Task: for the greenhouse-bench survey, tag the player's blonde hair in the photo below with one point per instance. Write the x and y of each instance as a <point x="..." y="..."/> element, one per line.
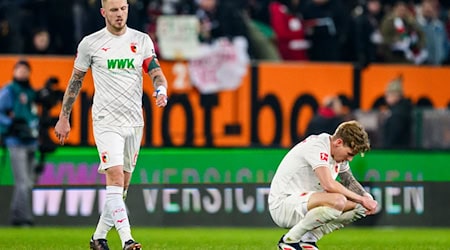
<point x="104" y="2"/>
<point x="354" y="136"/>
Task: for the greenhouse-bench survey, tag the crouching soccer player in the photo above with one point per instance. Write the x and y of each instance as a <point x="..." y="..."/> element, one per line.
<point x="304" y="194"/>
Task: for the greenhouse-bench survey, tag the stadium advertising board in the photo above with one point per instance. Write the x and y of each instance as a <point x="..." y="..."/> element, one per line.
<point x="401" y="204"/>
<point x="423" y="82"/>
<point x="271" y="107"/>
<point x="78" y="166"/>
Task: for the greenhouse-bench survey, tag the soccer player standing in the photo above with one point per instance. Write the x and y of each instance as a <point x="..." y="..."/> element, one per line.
<point x="117" y="55"/>
<point x="304" y="194"/>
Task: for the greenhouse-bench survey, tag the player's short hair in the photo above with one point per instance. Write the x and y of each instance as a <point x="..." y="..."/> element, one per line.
<point x="354" y="136"/>
<point x="104" y="2"/>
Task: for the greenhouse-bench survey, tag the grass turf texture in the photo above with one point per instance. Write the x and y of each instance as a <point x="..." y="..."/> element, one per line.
<point x="224" y="238"/>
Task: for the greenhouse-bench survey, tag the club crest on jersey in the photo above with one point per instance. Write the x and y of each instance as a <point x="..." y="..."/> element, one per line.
<point x="323" y="156"/>
<point x="105" y="157"/>
<point x="133" y="47"/>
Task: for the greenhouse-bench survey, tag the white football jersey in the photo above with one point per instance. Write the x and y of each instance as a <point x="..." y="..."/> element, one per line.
<point x="116" y="64"/>
<point x="295" y="174"/>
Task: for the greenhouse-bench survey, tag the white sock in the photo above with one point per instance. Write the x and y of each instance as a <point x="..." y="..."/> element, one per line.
<point x="312" y="236"/>
<point x="313" y="219"/>
<point x="352" y="215"/>
<point x="118" y="212"/>
<point x="330" y="227"/>
<point x="317" y="234"/>
<point x="105" y="223"/>
<point x="345" y="218"/>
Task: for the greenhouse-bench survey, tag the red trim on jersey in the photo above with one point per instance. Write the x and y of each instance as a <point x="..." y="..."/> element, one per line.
<point x="146" y="63"/>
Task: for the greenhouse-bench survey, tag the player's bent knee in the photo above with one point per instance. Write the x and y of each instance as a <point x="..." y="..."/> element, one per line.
<point x="333" y="200"/>
<point x="338" y="202"/>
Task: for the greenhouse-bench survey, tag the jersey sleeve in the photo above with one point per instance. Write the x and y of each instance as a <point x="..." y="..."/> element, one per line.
<point x="83" y="58"/>
<point x="317" y="155"/>
<point x="149" y="53"/>
<point x="149" y="48"/>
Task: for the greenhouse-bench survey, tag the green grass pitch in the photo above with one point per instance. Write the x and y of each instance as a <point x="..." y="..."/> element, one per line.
<point x="193" y="238"/>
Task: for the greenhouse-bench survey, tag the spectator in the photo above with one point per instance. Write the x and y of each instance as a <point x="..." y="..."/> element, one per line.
<point x="93" y="21"/>
<point x="436" y="40"/>
<point x="327" y="24"/>
<point x="40" y="43"/>
<point x="261" y="36"/>
<point x="327" y="117"/>
<point x="219" y="19"/>
<point x="154" y="10"/>
<point x="61" y="27"/>
<point x="261" y="39"/>
<point x="287" y="23"/>
<point x="397" y="125"/>
<point x="11" y="37"/>
<point x="403" y="41"/>
<point x="137" y="15"/>
<point x="259" y="11"/>
<point x="367" y="36"/>
<point x="19" y="125"/>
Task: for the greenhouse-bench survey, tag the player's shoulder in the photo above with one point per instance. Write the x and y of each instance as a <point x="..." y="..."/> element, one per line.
<point x="314" y="143"/>
<point x="95" y="36"/>
<point x="137" y="33"/>
<point x="322" y="138"/>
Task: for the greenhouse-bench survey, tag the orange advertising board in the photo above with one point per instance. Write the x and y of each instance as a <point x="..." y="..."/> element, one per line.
<point x="296" y="89"/>
<point x="271" y="107"/>
<point x="418" y="82"/>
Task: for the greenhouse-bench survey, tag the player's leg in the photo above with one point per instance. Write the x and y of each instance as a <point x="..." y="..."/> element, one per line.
<point x="288" y="213"/>
<point x="347" y="217"/>
<point x="321" y="208"/>
<point x="110" y="144"/>
<point x="131" y="152"/>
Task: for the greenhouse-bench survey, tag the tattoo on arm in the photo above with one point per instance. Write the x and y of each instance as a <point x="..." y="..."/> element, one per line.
<point x="349" y="181"/>
<point x="158" y="78"/>
<point x="72" y="91"/>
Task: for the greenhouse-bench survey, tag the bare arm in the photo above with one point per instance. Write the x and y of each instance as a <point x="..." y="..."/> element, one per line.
<point x="332" y="186"/>
<point x="72" y="91"/>
<point x="62" y="127"/>
<point x="349" y="181"/>
<point x="160" y="85"/>
<point x="158" y="78"/>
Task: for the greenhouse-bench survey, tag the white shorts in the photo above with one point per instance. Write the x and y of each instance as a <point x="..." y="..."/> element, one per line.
<point x="117" y="146"/>
<point x="291" y="210"/>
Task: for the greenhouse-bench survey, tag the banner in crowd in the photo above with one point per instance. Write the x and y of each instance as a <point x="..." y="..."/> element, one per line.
<point x="400" y="204"/>
<point x="220" y="65"/>
<point x="178" y="37"/>
<point x="271" y="107"/>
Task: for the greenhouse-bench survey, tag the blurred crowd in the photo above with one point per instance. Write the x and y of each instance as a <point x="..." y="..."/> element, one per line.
<point x="359" y="31"/>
